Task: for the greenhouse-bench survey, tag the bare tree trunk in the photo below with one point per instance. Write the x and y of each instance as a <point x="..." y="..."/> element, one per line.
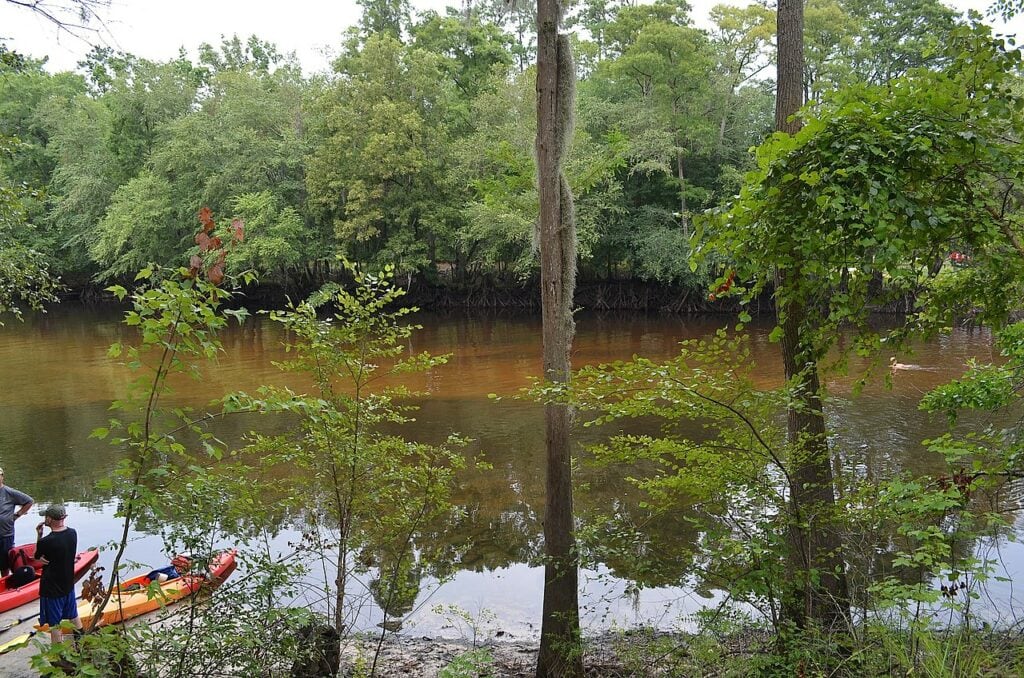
<point x="560" y="644"/>
<point x="339" y="587"/>
<point x="817" y="591"/>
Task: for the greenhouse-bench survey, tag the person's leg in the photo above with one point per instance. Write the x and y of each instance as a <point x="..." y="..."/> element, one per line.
<point x="69" y="611"/>
<point x="50" y="615"/>
<point x="6" y="544"/>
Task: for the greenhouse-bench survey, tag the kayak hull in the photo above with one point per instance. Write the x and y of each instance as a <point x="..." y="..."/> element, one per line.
<point x="11" y="598"/>
<point x="139" y="595"/>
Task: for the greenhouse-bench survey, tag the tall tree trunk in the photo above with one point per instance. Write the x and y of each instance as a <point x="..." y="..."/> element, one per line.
<point x="817" y="592"/>
<point x="560" y="644"/>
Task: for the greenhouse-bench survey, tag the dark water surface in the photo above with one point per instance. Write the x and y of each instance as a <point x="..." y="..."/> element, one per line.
<point x="56" y="384"/>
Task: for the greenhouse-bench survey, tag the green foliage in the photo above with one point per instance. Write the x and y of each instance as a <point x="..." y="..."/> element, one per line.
<point x="25" y="277"/>
<point x="473" y="51"/>
<point x="866" y="201"/>
<point x="721" y="453"/>
<point x="176" y="478"/>
<point x="872" y="41"/>
<point x="366" y="492"/>
<point x="177" y="315"/>
<point x="139" y="227"/>
<point x="474" y="663"/>
<point x="276" y="239"/>
<point x="25" y="280"/>
<point x="376" y="172"/>
<point x="418" y="150"/>
<point x="984" y="387"/>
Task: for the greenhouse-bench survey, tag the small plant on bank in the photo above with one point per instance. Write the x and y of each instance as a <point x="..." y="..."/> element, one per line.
<point x="363" y="492"/>
<point x="474" y="628"/>
<point x="475" y="663"/>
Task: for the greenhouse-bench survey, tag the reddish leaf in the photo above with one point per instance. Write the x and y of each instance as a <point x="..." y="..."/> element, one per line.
<point x="215" y="274"/>
<point x="724" y="287"/>
<point x="238" y="230"/>
<point x="203" y="241"/>
<point x="215" y="242"/>
<point x="206" y="219"/>
<point x="195" y="264"/>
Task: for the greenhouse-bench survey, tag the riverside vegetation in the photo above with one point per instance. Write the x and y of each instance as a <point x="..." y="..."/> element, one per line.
<point x="827" y="567"/>
<point x="416" y="150"/>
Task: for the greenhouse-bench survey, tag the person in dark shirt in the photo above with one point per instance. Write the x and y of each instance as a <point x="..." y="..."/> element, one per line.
<point x="57" y="583"/>
<point x="10" y="499"/>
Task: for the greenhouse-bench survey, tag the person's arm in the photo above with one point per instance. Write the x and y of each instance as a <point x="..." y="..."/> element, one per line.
<point x="40" y="547"/>
<point x="25" y="501"/>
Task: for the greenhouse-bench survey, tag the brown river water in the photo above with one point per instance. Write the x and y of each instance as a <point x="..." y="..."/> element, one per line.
<point x="56" y="384"/>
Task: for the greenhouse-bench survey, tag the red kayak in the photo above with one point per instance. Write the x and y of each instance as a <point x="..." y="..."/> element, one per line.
<point x="16" y="596"/>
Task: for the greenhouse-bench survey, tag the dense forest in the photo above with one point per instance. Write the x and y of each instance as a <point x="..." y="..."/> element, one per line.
<point x="417" y="149"/>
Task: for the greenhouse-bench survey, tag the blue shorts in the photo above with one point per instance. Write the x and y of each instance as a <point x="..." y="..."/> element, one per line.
<point x="53" y="611"/>
<point x="6" y="544"/>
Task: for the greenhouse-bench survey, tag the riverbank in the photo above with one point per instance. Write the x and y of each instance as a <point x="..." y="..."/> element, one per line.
<point x="636" y="653"/>
<point x="487" y="294"/>
<point x="644" y="653"/>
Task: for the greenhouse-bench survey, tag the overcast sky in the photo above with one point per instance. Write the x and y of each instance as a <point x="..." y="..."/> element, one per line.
<point x="155" y="29"/>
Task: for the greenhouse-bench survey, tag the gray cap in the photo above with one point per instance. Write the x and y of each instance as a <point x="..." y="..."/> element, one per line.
<point x="55" y="511"/>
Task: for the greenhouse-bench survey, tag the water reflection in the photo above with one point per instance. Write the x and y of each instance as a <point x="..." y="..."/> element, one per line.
<point x="56" y="384"/>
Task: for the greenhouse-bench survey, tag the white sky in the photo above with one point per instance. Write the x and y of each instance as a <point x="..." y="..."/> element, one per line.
<point x="155" y="29"/>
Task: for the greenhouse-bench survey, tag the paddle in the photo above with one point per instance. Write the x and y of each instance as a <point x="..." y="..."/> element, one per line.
<point x="18" y="643"/>
<point x="14" y="622"/>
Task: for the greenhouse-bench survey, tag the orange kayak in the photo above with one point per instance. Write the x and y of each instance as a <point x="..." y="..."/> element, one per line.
<point x="140" y="595"/>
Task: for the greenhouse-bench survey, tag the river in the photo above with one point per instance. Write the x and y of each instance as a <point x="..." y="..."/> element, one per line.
<point x="56" y="384"/>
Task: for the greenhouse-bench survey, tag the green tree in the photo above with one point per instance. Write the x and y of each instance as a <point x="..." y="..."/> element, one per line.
<point x="670" y="67"/>
<point x="850" y="41"/>
<point x="138" y="228"/>
<point x="518" y="20"/>
<point x="817" y="589"/>
<point x="741" y="38"/>
<point x="473" y="50"/>
<point x="83" y="181"/>
<point x="365" y="489"/>
<point x="380" y="143"/>
<point x="245" y="138"/>
<point x="277" y="245"/>
<point x="882" y="183"/>
<point x="101" y="147"/>
<point x="630" y="20"/>
<point x="25" y="92"/>
<point x="384" y="17"/>
<point x="898" y="36"/>
<point x="25" y="277"/>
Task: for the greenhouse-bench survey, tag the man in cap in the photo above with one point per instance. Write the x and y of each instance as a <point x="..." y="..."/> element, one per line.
<point x="57" y="584"/>
<point x="13" y="505"/>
